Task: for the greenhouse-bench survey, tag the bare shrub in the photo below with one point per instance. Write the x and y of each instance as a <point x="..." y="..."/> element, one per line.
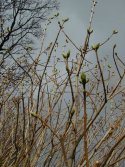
<point x="68" y="117"/>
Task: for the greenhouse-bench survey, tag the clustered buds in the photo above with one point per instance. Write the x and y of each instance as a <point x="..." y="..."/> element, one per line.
<point x="56" y="15"/>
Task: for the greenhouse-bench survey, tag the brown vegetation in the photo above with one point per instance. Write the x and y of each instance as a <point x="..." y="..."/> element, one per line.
<point x="71" y="117"/>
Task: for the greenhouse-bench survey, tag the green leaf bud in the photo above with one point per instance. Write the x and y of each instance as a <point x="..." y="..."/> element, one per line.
<point x="109" y="66"/>
<point x="96" y="46"/>
<point x="83" y="78"/>
<point x="65" y="20"/>
<point x="115" y="31"/>
<point x="64" y="55"/>
<point x="90" y="31"/>
<point x="68" y="54"/>
<point x="56" y="15"/>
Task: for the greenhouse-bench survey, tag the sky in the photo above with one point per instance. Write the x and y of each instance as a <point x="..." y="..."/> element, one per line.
<point x="109" y="15"/>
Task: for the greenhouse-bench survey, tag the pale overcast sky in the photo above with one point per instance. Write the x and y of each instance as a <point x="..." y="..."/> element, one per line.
<point x="109" y="15"/>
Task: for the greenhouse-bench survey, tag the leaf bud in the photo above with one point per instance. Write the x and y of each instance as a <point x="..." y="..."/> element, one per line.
<point x="65" y="20"/>
<point x="96" y="46"/>
<point x="83" y="78"/>
<point x="115" y="31"/>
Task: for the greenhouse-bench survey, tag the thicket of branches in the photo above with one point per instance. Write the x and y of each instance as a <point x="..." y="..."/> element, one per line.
<point x="50" y="117"/>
